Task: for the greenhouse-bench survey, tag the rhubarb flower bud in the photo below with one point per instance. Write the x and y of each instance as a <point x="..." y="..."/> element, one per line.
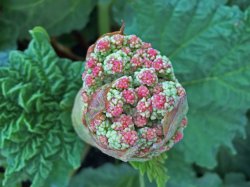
<point x="131" y="106"/>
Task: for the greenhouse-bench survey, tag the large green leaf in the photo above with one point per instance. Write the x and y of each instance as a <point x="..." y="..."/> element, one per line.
<point x="213" y="180"/>
<point x="106" y="176"/>
<point x="239" y="162"/>
<point x="236" y="180"/>
<point x="37" y="91"/>
<point x="183" y="174"/>
<point x="57" y="16"/>
<point x="208" y="44"/>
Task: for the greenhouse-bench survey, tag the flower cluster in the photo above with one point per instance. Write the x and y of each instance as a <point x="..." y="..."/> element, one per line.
<point x="132" y="94"/>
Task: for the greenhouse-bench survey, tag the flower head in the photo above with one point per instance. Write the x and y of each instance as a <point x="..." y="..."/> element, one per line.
<point x="129" y="92"/>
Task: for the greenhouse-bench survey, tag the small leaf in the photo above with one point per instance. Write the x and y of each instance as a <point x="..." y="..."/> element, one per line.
<point x="154" y="168"/>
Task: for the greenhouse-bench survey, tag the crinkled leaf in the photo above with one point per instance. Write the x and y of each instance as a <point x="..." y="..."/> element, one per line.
<point x="57" y="16"/>
<point x="60" y="176"/>
<point x="106" y="176"/>
<point x="240" y="161"/>
<point x="2" y="177"/>
<point x="37" y="91"/>
<point x="208" y="44"/>
<point x="154" y="168"/>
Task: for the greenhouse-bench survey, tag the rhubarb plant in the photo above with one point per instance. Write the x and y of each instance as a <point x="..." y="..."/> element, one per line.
<point x="83" y="103"/>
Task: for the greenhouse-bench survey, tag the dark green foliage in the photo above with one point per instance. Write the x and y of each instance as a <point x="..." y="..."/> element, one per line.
<point x="57" y="17"/>
<point x="183" y="174"/>
<point x="208" y="44"/>
<point x="36" y="135"/>
<point x="240" y="161"/>
<point x="8" y="35"/>
<point x="106" y="176"/>
<point x="243" y="4"/>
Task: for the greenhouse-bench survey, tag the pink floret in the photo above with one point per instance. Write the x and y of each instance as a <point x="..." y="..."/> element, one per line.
<point x="178" y="137"/>
<point x="152" y="52"/>
<point x="130" y="137"/>
<point x="96" y="122"/>
<point x="122" y="83"/>
<point x="158" y="130"/>
<point x="180" y="91"/>
<point x="85" y="97"/>
<point x="140" y="121"/>
<point x="129" y="96"/>
<point x="146" y="45"/>
<point x="126" y="50"/>
<point x="125" y="120"/>
<point x="147" y="77"/>
<point x="96" y="70"/>
<point x="140" y="52"/>
<point x="91" y="62"/>
<point x="117" y="66"/>
<point x="103" y="45"/>
<point x="118" y="39"/>
<point x="116" y="110"/>
<point x="151" y="134"/>
<point x="158" y="101"/>
<point x="147" y="63"/>
<point x="89" y="80"/>
<point x="184" y="122"/>
<point x="134" y="40"/>
<point x="142" y="91"/>
<point x="158" y="64"/>
<point x="143" y="106"/>
<point x="136" y="61"/>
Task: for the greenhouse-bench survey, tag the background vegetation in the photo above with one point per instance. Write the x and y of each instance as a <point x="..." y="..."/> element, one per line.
<point x="208" y="42"/>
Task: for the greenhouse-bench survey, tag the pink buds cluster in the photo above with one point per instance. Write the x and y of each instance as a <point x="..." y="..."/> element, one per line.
<point x="133" y="106"/>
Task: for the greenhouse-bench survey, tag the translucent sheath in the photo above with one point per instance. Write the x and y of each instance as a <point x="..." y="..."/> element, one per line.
<point x="172" y="121"/>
